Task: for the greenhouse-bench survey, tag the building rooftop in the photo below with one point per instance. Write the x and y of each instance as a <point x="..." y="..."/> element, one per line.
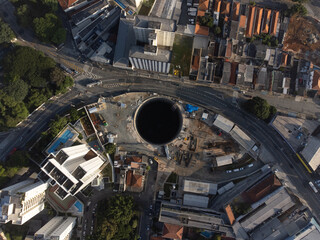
<point x="225" y="7"/>
<point x="195" y="200"/>
<point x="224" y="160"/>
<point x="275" y="17"/>
<point x="262" y="189"/>
<point x="242" y="138"/>
<point x="230" y="214"/>
<point x="242" y="21"/>
<point x="201" y="30"/>
<point x="172" y="231"/>
<point x="266" y="21"/>
<point x="203" y="5"/>
<point x="257" y="25"/>
<point x="274" y="204"/>
<point x="155" y="23"/>
<point x="161" y="55"/>
<point x="223" y="123"/>
<point x="249" y="28"/>
<point x="311" y="152"/>
<point x="217" y="5"/>
<point x="66" y="3"/>
<point x="316" y="81"/>
<point x="198" y="187"/>
<point x="235" y="11"/>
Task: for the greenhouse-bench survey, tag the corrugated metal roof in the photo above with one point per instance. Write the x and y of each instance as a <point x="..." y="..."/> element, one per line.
<point x="224" y="160"/>
<point x="311" y="152"/>
<point x="242" y="138"/>
<point x="199" y="187"/>
<point x="195" y="200"/>
<point x="223" y="123"/>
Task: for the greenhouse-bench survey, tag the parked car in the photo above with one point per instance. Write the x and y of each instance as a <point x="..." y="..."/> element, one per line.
<point x="229" y="171"/>
<point x="236" y="170"/>
<point x="250" y="165"/>
<point x="150" y="161"/>
<point x="241" y="168"/>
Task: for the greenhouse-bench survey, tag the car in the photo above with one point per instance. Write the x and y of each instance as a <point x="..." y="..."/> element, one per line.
<point x="236" y="170"/>
<point x="250" y="165"/>
<point x="229" y="171"/>
<point x="148" y="227"/>
<point x="150" y="161"/>
<point x="150" y="206"/>
<point x="317" y="181"/>
<point x="241" y="168"/>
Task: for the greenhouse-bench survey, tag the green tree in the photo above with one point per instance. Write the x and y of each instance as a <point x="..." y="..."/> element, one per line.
<point x="110" y="148"/>
<point x="298" y="9"/>
<point x="206" y="20"/>
<point x="6" y="34"/>
<point x="17" y="89"/>
<point x="19" y="111"/>
<point x="48" y="29"/>
<point x="23" y="14"/>
<point x="57" y="77"/>
<point x="57" y="125"/>
<point x="36" y="98"/>
<point x="259" y="107"/>
<point x="217" y="31"/>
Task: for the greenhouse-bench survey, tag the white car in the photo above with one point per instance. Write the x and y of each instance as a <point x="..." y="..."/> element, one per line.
<point x="250" y="165"/>
<point x="241" y="168"/>
<point x="229" y="171"/>
<point x="150" y="161"/>
<point x="236" y="170"/>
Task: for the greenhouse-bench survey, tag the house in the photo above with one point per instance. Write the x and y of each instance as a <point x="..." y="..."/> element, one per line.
<point x="172" y="231"/>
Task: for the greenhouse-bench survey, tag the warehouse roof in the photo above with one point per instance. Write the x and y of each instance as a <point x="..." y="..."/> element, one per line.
<point x="223" y="123"/>
<point x="311" y="152"/>
<point x="224" y="160"/>
<point x="242" y="138"/>
<point x="204" y="188"/>
<point x="195" y="200"/>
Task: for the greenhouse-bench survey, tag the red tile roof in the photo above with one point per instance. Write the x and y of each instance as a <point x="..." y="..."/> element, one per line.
<point x="274" y="24"/>
<point x="201" y="30"/>
<point x="172" y="231"/>
<point x="257" y="25"/>
<point x="235" y="11"/>
<point x="66" y="3"/>
<point x="266" y="21"/>
<point x="136" y="181"/>
<point x="133" y="159"/>
<point x="217" y="6"/>
<point x="201" y="13"/>
<point x="250" y="21"/>
<point x="195" y="62"/>
<point x="229" y="49"/>
<point x="225" y="8"/>
<point x="284" y="59"/>
<point x="242" y="22"/>
<point x="262" y="189"/>
<point x="203" y="5"/>
<point x="230" y="214"/>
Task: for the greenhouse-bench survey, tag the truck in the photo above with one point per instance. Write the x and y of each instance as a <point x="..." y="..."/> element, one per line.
<point x="313" y="187"/>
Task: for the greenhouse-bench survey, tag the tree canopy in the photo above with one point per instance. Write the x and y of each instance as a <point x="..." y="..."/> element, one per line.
<point x="298" y="9"/>
<point x="41" y="16"/>
<point x="6" y="34"/>
<point x="116" y="219"/>
<point x="206" y="20"/>
<point x="260" y="108"/>
<point x="30" y="78"/>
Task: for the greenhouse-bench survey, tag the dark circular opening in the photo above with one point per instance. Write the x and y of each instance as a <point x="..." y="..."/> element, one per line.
<point x="159" y="121"/>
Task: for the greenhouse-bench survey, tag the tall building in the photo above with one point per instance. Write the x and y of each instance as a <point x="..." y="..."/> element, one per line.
<point x="71" y="169"/>
<point x="58" y="228"/>
<point x="145" y="43"/>
<point x="22" y="201"/>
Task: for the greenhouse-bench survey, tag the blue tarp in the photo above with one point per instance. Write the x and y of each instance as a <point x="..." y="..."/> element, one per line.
<point x="191" y="108"/>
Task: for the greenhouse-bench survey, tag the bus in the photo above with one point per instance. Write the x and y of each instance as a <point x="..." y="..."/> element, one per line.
<point x="313" y="187"/>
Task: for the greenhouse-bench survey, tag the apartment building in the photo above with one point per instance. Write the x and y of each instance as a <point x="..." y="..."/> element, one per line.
<point x="22" y="201"/>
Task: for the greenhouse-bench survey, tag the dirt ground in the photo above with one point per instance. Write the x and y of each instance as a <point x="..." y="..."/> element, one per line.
<point x="298" y="38"/>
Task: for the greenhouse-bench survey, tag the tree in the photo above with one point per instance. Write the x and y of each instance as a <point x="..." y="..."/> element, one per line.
<point x="57" y="125"/>
<point x="74" y="115"/>
<point x="49" y="29"/>
<point x="206" y="20"/>
<point x="217" y="30"/>
<point x="36" y="98"/>
<point x="259" y="107"/>
<point x="57" y="76"/>
<point x="17" y="89"/>
<point x="6" y="34"/>
<point x="110" y="148"/>
<point x="23" y="14"/>
<point x="19" y="111"/>
<point x="148" y="168"/>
